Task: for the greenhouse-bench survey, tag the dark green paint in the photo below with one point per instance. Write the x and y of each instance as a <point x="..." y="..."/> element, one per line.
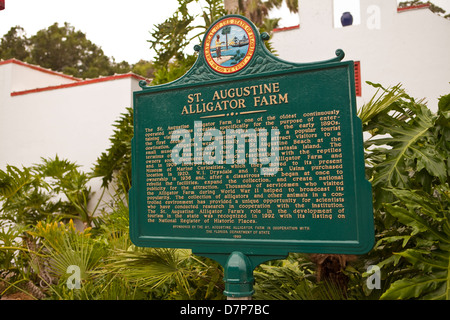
<point x="311" y="87"/>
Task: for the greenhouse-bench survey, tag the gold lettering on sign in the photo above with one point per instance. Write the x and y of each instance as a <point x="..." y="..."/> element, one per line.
<point x="236" y="99"/>
<point x="235" y="200"/>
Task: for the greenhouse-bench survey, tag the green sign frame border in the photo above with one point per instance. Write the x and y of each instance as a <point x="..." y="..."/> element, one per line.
<point x="262" y="64"/>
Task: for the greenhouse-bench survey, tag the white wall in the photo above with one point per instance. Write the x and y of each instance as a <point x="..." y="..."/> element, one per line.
<point x="71" y="118"/>
<point x="5" y="85"/>
<point x="411" y="47"/>
<point x="75" y="123"/>
<point x="25" y="77"/>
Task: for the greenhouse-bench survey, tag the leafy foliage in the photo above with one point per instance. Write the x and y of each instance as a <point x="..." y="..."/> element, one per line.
<point x="297" y="278"/>
<point x="60" y="48"/>
<point x="171" y="273"/>
<point x="174" y="70"/>
<point x="434" y="8"/>
<point x="290" y="279"/>
<point x="429" y="254"/>
<point x="54" y="187"/>
<point x="258" y="10"/>
<point x="170" y="38"/>
<point x="114" y="165"/>
<point x="67" y="246"/>
<point x="408" y="164"/>
<point x="23" y="197"/>
<point x="412" y="159"/>
<point x="15" y="44"/>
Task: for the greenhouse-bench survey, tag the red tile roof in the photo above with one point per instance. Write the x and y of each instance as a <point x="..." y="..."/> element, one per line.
<point x="38" y="68"/>
<point x="77" y="81"/>
<point x="420" y="6"/>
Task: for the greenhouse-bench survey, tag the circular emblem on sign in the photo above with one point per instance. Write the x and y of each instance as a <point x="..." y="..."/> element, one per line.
<point x="229" y="45"/>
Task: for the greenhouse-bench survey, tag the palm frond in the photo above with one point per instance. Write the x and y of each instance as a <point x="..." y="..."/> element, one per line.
<point x="382" y="101"/>
<point x="13" y="180"/>
<point x="153" y="266"/>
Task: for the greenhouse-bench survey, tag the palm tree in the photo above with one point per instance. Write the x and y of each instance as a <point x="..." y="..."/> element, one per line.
<point x="258" y="10"/>
<point x="226" y="31"/>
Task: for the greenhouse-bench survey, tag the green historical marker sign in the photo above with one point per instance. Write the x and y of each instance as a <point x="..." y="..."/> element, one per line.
<point x="251" y="154"/>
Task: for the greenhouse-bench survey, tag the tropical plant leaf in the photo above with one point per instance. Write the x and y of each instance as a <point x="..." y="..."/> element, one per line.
<point x="405" y="240"/>
<point x="409" y="140"/>
<point x="419" y="200"/>
<point x="56" y="168"/>
<point x="427" y="215"/>
<point x="414" y="288"/>
<point x="408" y="218"/>
<point x="153" y="266"/>
<point x="407" y="160"/>
<point x="115" y="163"/>
<point x="286" y="282"/>
<point x="13" y="180"/>
<point x="426" y="260"/>
<point x="380" y="103"/>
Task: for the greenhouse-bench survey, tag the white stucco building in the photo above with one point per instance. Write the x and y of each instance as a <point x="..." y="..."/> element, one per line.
<point x="44" y="113"/>
<point x="410" y="46"/>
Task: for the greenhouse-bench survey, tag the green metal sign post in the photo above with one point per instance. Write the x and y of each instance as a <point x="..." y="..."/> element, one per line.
<point x="248" y="157"/>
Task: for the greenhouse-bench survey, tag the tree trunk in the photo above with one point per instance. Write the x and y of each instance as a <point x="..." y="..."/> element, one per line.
<point x="330" y="268"/>
<point x="231" y="6"/>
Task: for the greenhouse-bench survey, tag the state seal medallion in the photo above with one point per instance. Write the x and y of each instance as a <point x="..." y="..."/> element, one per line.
<point x="229" y="45"/>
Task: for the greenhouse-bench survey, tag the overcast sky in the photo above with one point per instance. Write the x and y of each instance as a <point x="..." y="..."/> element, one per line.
<point x="119" y="27"/>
